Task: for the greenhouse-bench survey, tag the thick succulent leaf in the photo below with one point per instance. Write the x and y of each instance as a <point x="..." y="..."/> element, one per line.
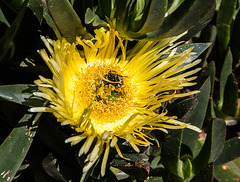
<point x="104" y="8"/>
<point x="230" y="102"/>
<point x="58" y="170"/>
<point x="235" y="39"/>
<point x="182" y="108"/>
<point x="209" y="34"/>
<point x="173" y="5"/>
<point x="91" y="17"/>
<point x="7" y="41"/>
<point x="3" y="18"/>
<point x="66" y="19"/>
<point x="210" y="70"/>
<point x="224" y="20"/>
<point x="21" y="94"/>
<point x="37" y="9"/>
<point x="218" y="3"/>
<point x="154" y="179"/>
<point x="14" y="4"/>
<point x="176" y="157"/>
<point x="51" y="23"/>
<point x="190" y="137"/>
<point x="54" y="139"/>
<point x="226" y="71"/>
<point x="121" y="13"/>
<point x="187" y="169"/>
<point x="229" y="171"/>
<point x="200" y="24"/>
<point x="15" y="147"/>
<point x="152" y="18"/>
<point x="135" y="14"/>
<point x="50" y="166"/>
<point x="117" y="174"/>
<point x="155" y="162"/>
<point x="47" y="17"/>
<point x="198" y="48"/>
<point x="205" y="174"/>
<point x="199" y="145"/>
<point x="230" y="151"/>
<point x="188" y="14"/>
<point x="171" y="152"/>
<point x="213" y="145"/>
<point x="137" y="167"/>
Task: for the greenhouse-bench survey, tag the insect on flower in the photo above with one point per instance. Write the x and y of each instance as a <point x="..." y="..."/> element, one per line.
<point x="113" y="79"/>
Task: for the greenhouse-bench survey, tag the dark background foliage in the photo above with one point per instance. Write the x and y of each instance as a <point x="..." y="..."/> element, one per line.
<point x="179" y="158"/>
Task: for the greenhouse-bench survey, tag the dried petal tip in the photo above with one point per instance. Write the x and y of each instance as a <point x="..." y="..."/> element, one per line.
<point x="40" y="109"/>
<point x="194" y="128"/>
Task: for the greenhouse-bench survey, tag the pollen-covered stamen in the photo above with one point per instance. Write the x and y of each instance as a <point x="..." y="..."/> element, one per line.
<point x="107" y="88"/>
<point x="111" y="94"/>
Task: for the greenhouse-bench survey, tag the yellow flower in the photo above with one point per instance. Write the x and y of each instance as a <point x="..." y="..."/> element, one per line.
<point x="105" y="92"/>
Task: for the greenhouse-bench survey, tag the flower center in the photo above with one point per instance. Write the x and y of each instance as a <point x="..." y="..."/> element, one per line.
<point x="109" y="93"/>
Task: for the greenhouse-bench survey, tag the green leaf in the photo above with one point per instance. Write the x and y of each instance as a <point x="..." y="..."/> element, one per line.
<point x="91" y="17"/>
<point x="154" y="179"/>
<point x="171" y="152"/>
<point x="15" y="147"/>
<point x="235" y="39"/>
<point x="210" y="70"/>
<point x="198" y="48"/>
<point x="205" y="174"/>
<point x="14" y="4"/>
<point x="117" y="174"/>
<point x="185" y="17"/>
<point x="154" y="17"/>
<point x="208" y="34"/>
<point x="7" y="41"/>
<point x="199" y="25"/>
<point x="218" y="3"/>
<point x="224" y="20"/>
<point x="173" y="5"/>
<point x="190" y="137"/>
<point x="229" y="171"/>
<point x="51" y="23"/>
<point x="136" y="167"/>
<point x="54" y="138"/>
<point x="189" y="13"/>
<point x="213" y="145"/>
<point x="37" y="9"/>
<point x="66" y="20"/>
<point x="155" y="162"/>
<point x="50" y="166"/>
<point x="230" y="151"/>
<point x="226" y="71"/>
<point x="230" y="103"/>
<point x="105" y="8"/>
<point x="182" y="108"/>
<point x="187" y="169"/>
<point x="21" y="94"/>
<point x="58" y="170"/>
<point x="3" y="18"/>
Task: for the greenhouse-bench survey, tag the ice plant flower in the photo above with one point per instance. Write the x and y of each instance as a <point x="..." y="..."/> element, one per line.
<point x="105" y="92"/>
